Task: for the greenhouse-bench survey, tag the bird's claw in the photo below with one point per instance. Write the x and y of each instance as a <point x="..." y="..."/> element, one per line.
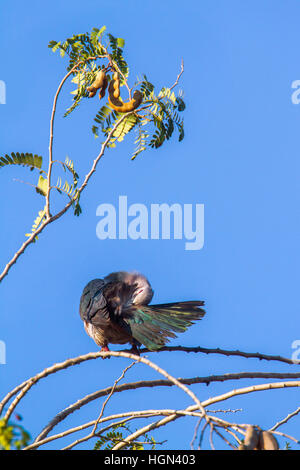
<point x="105" y="349"/>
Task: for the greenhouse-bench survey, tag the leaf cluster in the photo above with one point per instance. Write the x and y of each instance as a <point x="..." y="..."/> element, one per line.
<point x="111" y="438"/>
<point x="13" y="436"/>
<point x="154" y="121"/>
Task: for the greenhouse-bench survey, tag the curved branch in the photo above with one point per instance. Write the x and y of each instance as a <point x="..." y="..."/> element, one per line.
<point x="217" y="399"/>
<point x="77" y="360"/>
<point x="93" y="432"/>
<point x="68" y="205"/>
<point x="225" y="352"/>
<point x="128" y="415"/>
<point x="285" y="420"/>
<point x="158" y="383"/>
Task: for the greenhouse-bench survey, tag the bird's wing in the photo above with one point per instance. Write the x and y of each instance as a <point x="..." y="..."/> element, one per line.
<point x="103" y="302"/>
<point x="93" y="306"/>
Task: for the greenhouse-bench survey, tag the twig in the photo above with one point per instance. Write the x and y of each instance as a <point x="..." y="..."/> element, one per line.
<point x="179" y="75"/>
<point x="285" y="420"/>
<point x="224" y="438"/>
<point x="195" y="433"/>
<point x="225" y="352"/>
<point x="151" y="383"/>
<point x="225" y="396"/>
<point x="51" y="219"/>
<point x="211" y="436"/>
<point x="89" y="356"/>
<point x="93" y="432"/>
<point x="202" y="436"/>
<point x="286" y="435"/>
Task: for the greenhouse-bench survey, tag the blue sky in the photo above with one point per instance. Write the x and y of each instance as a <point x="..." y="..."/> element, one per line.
<point x="240" y="158"/>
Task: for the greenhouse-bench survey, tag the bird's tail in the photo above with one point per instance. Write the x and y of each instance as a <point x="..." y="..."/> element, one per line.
<point x="153" y="325"/>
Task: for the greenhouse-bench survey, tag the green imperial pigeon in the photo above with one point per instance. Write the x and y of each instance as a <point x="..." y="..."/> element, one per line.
<point x="115" y="310"/>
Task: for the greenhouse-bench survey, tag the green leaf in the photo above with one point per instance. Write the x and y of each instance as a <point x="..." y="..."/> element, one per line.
<point x="70" y="166"/>
<point x="42" y="186"/>
<point x="37" y="222"/>
<point x="120" y="42"/>
<point x="24" y="159"/>
<point x="181" y="104"/>
<point x="95" y="131"/>
<point x="125" y="127"/>
<point x="141" y="142"/>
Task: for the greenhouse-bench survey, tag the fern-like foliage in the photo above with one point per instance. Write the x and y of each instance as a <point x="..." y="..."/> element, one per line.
<point x="165" y="116"/>
<point x="154" y="121"/>
<point x="37" y="222"/>
<point x="125" y="127"/>
<point x="70" y="189"/>
<point x="146" y="87"/>
<point x="116" y="45"/>
<point x="103" y="119"/>
<point x="111" y="438"/>
<point x="141" y="141"/>
<point x="23" y="159"/>
<point x="83" y="50"/>
<point x="69" y="165"/>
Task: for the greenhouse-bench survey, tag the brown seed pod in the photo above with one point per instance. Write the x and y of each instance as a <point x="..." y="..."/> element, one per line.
<point x="97" y="83"/>
<point x="251" y="439"/>
<point x="116" y="104"/>
<point x="267" y="441"/>
<point x="115" y="86"/>
<point x="103" y="88"/>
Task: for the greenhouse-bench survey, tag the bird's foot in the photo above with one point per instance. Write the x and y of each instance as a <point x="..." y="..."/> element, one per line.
<point x="135" y="350"/>
<point x="104" y="349"/>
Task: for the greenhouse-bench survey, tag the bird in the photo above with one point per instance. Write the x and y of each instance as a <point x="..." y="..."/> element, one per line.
<point x="116" y="310"/>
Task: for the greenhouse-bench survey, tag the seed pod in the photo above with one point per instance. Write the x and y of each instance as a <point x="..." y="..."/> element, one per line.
<point x="97" y="83"/>
<point x="103" y="88"/>
<point x="117" y="89"/>
<point x="251" y="439"/>
<point x="131" y="105"/>
<point x="116" y="85"/>
<point x="267" y="441"/>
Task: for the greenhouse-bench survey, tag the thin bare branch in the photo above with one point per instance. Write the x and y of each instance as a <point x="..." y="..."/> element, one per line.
<point x="225" y="352"/>
<point x="179" y="75"/>
<point x="51" y="219"/>
<point x="70" y="362"/>
<point x="154" y="383"/>
<point x="93" y="432"/>
<point x="285" y="420"/>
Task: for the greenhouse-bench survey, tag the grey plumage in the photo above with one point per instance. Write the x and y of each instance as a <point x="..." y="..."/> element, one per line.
<point x="115" y="310"/>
